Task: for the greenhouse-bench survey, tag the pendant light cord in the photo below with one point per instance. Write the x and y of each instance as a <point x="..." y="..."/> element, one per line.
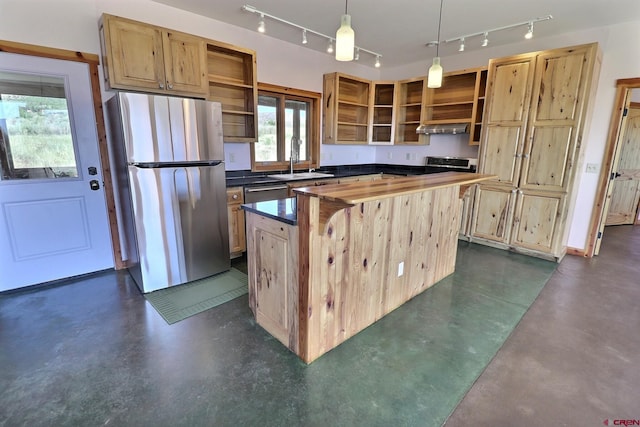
<point x="439" y="23"/>
<point x="346" y="7"/>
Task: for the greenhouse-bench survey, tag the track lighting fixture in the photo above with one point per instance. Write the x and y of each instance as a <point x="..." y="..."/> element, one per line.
<point x="485" y="33"/>
<point x="345" y="28"/>
<point x="529" y="33"/>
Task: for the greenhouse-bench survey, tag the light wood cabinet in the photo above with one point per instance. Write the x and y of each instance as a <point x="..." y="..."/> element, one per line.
<point x="460" y="99"/>
<point x="139" y="56"/>
<point x="237" y="240"/>
<point x="272" y="260"/>
<point x="346" y="109"/>
<point x="382" y="120"/>
<point x="147" y="58"/>
<point x="535" y="114"/>
<point x="232" y="82"/>
<point x="409" y="98"/>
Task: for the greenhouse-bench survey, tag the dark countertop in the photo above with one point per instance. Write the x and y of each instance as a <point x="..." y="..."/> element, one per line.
<point x="283" y="210"/>
<point x="246" y="177"/>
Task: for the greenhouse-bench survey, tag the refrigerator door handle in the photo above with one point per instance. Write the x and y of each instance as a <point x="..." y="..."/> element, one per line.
<point x="157" y="165"/>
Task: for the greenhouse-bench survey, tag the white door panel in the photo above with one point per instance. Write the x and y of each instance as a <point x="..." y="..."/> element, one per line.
<point x="52" y="223"/>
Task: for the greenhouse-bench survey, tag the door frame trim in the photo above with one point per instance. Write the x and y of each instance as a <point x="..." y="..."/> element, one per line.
<point x="623" y="87"/>
<point x="92" y="60"/>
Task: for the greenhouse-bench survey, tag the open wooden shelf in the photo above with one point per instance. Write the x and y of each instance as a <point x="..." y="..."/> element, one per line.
<point x="232" y="82"/>
<point x="457" y="101"/>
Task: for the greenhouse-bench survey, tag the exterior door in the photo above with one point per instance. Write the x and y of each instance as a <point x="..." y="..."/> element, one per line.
<point x="53" y="216"/>
<point x="623" y="208"/>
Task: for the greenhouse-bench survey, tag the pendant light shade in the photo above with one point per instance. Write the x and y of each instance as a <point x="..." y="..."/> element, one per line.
<point x="345" y="38"/>
<point x="434" y="80"/>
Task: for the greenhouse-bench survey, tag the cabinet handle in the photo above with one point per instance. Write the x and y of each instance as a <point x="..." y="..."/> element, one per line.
<point x="520" y="192"/>
<point x="517" y="155"/>
<point x="169" y="85"/>
<point x="514" y="191"/>
<point x="526" y="156"/>
<point x="234" y="197"/>
<point x="161" y="85"/>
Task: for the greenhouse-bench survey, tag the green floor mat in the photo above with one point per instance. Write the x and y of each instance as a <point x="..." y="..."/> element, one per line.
<point x="179" y="302"/>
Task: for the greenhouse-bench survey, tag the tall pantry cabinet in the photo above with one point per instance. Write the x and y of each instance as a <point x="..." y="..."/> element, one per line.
<point x="536" y="108"/>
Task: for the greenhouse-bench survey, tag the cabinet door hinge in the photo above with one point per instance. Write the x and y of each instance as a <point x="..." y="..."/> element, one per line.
<point x="624" y="113"/>
<point x="599" y="234"/>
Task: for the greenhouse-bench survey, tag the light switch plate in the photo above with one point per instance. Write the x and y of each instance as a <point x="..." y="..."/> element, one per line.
<point x="592" y="168"/>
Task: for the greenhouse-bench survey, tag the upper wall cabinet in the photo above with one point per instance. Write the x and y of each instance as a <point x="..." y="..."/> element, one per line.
<point x="382" y="120"/>
<point x="409" y="98"/>
<point x="146" y="58"/>
<point x="233" y="83"/>
<point x="460" y="99"/>
<point x="143" y="57"/>
<point x="346" y="109"/>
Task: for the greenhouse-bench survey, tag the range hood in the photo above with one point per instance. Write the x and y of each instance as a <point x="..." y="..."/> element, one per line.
<point x="451" y="129"/>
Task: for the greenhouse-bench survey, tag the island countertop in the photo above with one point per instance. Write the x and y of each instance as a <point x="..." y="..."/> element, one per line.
<point x="359" y="192"/>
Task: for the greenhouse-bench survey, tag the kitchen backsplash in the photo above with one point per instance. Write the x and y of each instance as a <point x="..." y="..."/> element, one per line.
<point x="238" y="156"/>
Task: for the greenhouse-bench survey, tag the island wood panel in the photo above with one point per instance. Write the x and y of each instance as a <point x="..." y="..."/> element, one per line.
<point x="353" y="266"/>
<point x="273" y="277"/>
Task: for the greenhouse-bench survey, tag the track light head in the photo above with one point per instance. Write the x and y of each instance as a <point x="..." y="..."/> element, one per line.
<point x="529" y="33"/>
<point x="461" y="48"/>
<point x="485" y="41"/>
<point x="261" y="27"/>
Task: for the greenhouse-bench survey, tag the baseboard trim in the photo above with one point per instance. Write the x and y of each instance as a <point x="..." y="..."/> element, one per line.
<point x="577" y="252"/>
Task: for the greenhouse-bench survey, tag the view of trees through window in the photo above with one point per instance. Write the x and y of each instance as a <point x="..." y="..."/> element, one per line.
<point x="35" y="137"/>
<point x="282" y="131"/>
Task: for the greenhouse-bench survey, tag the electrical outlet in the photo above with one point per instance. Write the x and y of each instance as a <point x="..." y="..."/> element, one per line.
<point x="357" y="155"/>
<point x="389" y="155"/>
<point x="232" y="158"/>
<point x="401" y="269"/>
<point x="414" y="156"/>
<point x="408" y="156"/>
<point x="592" y="168"/>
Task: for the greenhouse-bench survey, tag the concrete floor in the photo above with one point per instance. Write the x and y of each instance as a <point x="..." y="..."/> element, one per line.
<point x="574" y="358"/>
<point x="94" y="352"/>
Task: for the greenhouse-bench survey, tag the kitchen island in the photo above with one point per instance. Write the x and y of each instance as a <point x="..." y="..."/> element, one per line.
<point x="351" y="254"/>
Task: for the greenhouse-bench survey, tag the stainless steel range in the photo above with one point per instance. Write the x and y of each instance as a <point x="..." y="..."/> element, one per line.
<point x="435" y="164"/>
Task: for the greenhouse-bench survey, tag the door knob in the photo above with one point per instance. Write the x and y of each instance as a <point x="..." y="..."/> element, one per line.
<point x="94" y="184"/>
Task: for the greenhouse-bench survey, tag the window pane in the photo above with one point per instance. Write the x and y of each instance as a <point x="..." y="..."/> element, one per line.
<point x="35" y="132"/>
<point x="296" y="126"/>
<point x="266" y="149"/>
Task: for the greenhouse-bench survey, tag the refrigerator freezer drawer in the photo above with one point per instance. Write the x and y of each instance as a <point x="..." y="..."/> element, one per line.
<point x="180" y="220"/>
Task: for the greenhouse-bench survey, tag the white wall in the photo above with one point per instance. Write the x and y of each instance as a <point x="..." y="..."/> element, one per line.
<point x="72" y="24"/>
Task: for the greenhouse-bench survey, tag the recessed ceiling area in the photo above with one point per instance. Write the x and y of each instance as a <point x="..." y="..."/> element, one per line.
<point x="401" y="29"/>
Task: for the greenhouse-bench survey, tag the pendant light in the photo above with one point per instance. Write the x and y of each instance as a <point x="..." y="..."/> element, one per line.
<point x="345" y="37"/>
<point x="434" y="80"/>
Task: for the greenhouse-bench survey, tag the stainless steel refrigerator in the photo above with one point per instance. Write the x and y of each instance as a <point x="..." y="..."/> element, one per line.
<point x="167" y="156"/>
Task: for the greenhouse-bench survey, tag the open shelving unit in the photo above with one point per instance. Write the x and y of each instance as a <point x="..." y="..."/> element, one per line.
<point x="232" y="82"/>
<point x="382" y="113"/>
<point x="346" y="109"/>
<point x="460" y="99"/>
<point x="409" y="111"/>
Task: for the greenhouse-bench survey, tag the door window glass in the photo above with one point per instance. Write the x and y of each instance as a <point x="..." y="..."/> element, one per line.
<point x="36" y="141"/>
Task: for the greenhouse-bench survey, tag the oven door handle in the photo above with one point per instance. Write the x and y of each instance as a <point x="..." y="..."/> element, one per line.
<point x="259" y="189"/>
